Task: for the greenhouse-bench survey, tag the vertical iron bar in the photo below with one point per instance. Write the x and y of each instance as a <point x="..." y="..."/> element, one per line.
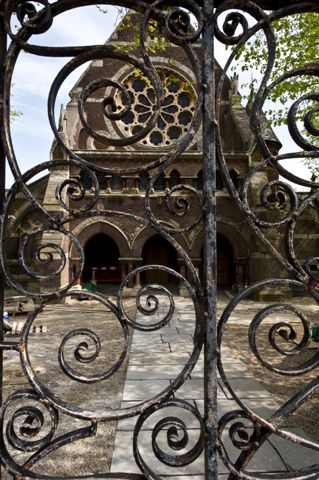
<point x="209" y="187"/>
<point x="3" y="50"/>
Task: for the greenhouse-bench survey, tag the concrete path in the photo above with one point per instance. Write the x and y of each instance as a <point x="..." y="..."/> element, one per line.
<point x="156" y="358"/>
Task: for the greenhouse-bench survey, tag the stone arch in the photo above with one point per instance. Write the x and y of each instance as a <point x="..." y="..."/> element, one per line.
<point x="102" y="260"/>
<point x="106" y="271"/>
<point x="96" y="225"/>
<point x="239" y="247"/>
<point x="145" y="234"/>
<point x="237" y="241"/>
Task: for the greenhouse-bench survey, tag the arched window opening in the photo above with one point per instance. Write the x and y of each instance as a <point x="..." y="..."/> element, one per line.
<point x="87" y="182"/>
<point x="116" y="183"/>
<point x="235" y="178"/>
<point x="101" y="180"/>
<point x="143" y="181"/>
<point x="175" y="179"/>
<point x="199" y="180"/>
<point x="159" y="183"/>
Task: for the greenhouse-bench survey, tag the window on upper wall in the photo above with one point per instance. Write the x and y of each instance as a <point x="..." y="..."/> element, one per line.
<point x="175" y="179"/>
<point x="87" y="182"/>
<point x="175" y="115"/>
<point x="199" y="180"/>
<point x="219" y="181"/>
<point x="159" y="183"/>
<point x="143" y="181"/>
<point x="102" y="180"/>
<point x="116" y="183"/>
<point x="235" y="178"/>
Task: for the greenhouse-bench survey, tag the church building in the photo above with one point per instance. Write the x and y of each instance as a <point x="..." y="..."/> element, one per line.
<point x="114" y="245"/>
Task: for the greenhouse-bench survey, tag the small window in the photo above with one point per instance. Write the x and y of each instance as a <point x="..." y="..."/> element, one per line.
<point x="102" y="180"/>
<point x="235" y="178"/>
<point x="143" y="181"/>
<point x="160" y="182"/>
<point x="219" y="181"/>
<point x="86" y="180"/>
<point x="175" y="179"/>
<point x="199" y="180"/>
<point x="116" y="183"/>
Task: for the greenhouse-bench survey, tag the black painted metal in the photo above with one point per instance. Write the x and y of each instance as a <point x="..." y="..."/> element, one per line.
<point x="174" y="22"/>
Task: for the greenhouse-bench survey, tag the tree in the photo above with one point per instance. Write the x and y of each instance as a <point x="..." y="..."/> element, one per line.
<point x="297" y="42"/>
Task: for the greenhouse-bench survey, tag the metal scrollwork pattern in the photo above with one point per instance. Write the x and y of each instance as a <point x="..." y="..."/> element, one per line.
<point x="152" y="105"/>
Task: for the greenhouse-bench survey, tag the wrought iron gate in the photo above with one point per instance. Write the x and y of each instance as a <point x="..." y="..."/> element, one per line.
<point x="24" y="412"/>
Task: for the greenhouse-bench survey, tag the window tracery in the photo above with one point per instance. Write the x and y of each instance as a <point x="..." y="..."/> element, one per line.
<point x="176" y="113"/>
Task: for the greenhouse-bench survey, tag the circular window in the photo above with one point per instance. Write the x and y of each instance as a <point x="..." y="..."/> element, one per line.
<point x="176" y="113"/>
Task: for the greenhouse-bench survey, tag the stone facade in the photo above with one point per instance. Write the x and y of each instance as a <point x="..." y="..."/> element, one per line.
<point x="241" y="260"/>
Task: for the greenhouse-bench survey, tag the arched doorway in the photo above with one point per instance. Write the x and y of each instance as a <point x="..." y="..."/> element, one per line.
<point x="226" y="271"/>
<point x="158" y="251"/>
<point x="225" y="263"/>
<point x="101" y="260"/>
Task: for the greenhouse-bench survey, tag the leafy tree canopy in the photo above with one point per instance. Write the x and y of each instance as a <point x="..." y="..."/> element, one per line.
<point x="297" y="43"/>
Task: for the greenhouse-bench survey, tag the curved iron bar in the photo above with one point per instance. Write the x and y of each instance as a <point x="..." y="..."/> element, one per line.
<point x="277" y="194"/>
<point x="250" y="444"/>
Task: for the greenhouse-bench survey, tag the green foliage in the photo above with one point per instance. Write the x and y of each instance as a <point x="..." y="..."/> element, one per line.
<point x="155" y="42"/>
<point x="14" y="114"/>
<point x="297" y="42"/>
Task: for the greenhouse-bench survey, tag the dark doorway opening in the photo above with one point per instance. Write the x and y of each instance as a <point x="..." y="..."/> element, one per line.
<point x="102" y="260"/>
<point x="226" y="272"/>
<point x="158" y="251"/>
<point x="225" y="263"/>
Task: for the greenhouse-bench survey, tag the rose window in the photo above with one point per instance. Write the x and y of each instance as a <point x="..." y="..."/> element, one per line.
<point x="176" y="113"/>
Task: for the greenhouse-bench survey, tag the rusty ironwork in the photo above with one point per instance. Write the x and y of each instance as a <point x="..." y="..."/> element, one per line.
<point x="246" y="430"/>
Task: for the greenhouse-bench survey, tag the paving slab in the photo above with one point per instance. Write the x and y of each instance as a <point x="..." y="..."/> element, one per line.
<point x="123" y="458"/>
<point x="143" y="389"/>
<point x="156" y="358"/>
<point x="149" y="372"/>
<point x="177" y="338"/>
<point x="246" y="388"/>
<point x="232" y="370"/>
<point x="194" y="390"/>
<point x="296" y="456"/>
<point x="153" y="372"/>
<point x="265" y="459"/>
<point x="129" y="423"/>
<point x="150" y="348"/>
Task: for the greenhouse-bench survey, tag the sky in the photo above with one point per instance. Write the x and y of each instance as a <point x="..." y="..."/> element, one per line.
<point x="33" y="75"/>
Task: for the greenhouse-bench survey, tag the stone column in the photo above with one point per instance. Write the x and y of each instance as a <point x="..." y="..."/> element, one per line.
<point x="123" y="268"/>
<point x="108" y="179"/>
<point x="129" y="264"/>
<point x="138" y="263"/>
<point x="183" y="272"/>
<point x="196" y="261"/>
<point x="240" y="272"/>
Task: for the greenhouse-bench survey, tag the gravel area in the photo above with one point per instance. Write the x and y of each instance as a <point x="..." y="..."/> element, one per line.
<point x="75" y="458"/>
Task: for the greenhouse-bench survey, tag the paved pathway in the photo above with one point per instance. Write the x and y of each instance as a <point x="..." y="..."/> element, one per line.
<point x="155" y="360"/>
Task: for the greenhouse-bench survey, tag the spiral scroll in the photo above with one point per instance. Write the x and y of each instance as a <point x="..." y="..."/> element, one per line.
<point x="132" y="125"/>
